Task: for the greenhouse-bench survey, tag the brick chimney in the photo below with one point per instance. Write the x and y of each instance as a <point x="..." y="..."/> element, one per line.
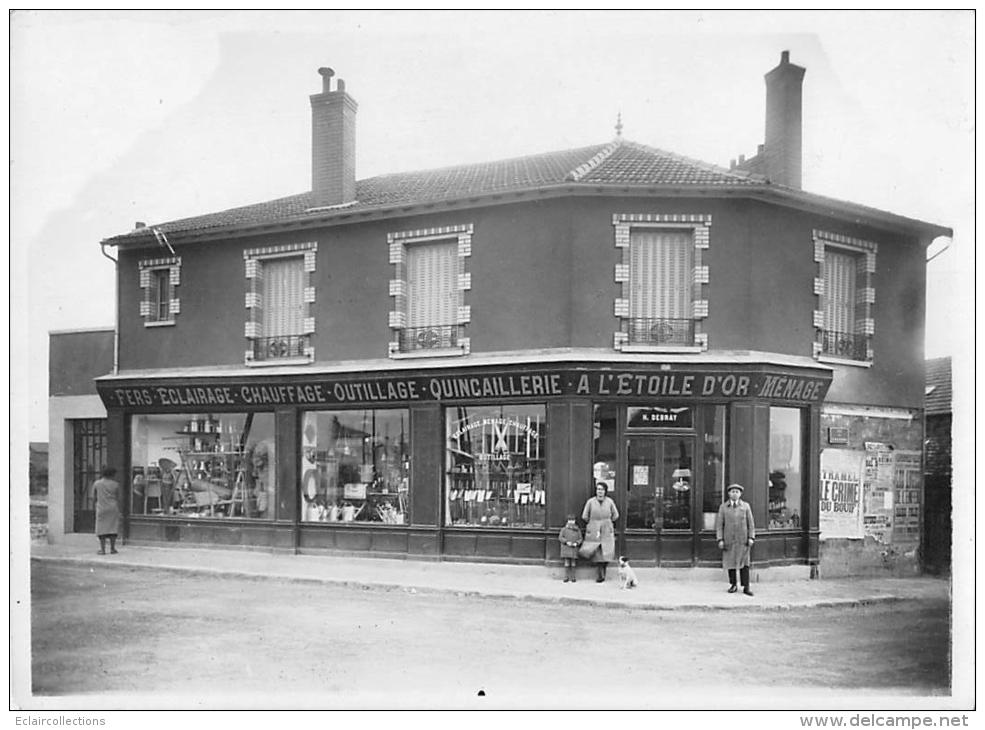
<point x="783" y="147"/>
<point x="333" y="143"/>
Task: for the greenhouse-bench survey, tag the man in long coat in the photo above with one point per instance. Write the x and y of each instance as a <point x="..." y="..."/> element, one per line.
<point x="736" y="532"/>
<point x="108" y="498"/>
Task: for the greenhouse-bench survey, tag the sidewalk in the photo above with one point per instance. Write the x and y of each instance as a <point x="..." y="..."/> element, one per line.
<point x="659" y="589"/>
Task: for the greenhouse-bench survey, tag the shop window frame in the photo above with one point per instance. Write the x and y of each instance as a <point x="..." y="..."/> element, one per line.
<point x="803" y="506"/>
<point x="445" y="517"/>
<point x="698" y="225"/>
<point x="309" y="469"/>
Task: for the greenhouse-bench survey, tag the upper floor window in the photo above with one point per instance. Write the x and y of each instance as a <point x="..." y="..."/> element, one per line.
<point x="662" y="303"/>
<point x="429" y="313"/>
<point x="278" y="301"/>
<point x="159" y="279"/>
<point x="845" y="292"/>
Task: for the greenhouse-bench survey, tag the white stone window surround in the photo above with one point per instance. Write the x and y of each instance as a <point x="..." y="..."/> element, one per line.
<point x="699" y="224"/>
<point x="147" y="266"/>
<point x="397" y="243"/>
<point x="865" y="323"/>
<point x="253" y="261"/>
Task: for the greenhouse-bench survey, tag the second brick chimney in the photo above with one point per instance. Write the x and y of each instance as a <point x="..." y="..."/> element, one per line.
<point x="783" y="143"/>
<point x="333" y="143"/>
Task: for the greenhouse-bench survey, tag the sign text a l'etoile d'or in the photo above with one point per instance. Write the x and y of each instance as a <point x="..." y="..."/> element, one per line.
<point x="317" y="391"/>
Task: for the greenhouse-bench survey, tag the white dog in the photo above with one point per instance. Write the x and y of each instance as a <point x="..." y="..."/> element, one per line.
<point x="627" y="576"/>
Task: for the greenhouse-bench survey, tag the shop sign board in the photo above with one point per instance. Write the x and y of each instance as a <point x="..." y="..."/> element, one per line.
<point x="840" y="507"/>
<point x="490" y="387"/>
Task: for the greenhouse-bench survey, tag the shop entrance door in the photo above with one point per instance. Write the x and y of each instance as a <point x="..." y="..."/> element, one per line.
<point x="657" y="501"/>
<point x="88" y="460"/>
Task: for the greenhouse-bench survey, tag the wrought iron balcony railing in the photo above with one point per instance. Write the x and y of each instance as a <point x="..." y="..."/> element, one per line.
<point x="280" y="347"/>
<point x="648" y="331"/>
<point x="846" y="345"/>
<point x="429" y="338"/>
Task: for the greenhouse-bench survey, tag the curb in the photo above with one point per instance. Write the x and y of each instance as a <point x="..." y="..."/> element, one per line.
<point x="415" y="588"/>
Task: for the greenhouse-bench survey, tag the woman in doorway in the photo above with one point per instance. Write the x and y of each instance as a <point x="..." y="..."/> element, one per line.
<point x="600" y="535"/>
<point x="107" y="495"/>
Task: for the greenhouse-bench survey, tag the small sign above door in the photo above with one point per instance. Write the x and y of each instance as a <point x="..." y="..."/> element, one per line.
<point x="659" y="417"/>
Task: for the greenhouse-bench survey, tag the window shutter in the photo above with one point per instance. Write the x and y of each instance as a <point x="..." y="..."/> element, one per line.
<point x="283" y="297"/>
<point x="660" y="274"/>
<point x="840" y="271"/>
<point x="432" y="284"/>
<point x="154" y="296"/>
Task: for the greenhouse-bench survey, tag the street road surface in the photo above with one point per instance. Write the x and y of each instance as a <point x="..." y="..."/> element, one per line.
<point x="194" y="641"/>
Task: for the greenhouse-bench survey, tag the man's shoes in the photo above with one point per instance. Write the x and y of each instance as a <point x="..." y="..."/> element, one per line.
<point x="733" y="588"/>
<point x="567" y="579"/>
<point x="114" y="551"/>
<point x="747" y="591"/>
<point x="600" y="580"/>
<point x="100" y="552"/>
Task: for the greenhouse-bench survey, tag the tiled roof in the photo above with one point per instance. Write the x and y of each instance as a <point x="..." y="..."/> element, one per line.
<point x="938" y="381"/>
<point x="616" y="163"/>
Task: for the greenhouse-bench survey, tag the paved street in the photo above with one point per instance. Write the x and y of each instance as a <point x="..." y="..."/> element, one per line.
<point x="185" y="640"/>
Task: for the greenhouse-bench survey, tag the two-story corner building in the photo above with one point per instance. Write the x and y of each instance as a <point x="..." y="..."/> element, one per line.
<point x="442" y="364"/>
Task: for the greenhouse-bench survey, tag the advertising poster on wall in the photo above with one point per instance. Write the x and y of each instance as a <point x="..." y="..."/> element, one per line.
<point x="908" y="483"/>
<point x="841" y="493"/>
<point x="878" y="488"/>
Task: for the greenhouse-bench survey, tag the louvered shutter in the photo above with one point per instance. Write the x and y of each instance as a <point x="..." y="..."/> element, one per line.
<point x="154" y="295"/>
<point x="283" y="297"/>
<point x="839" y="291"/>
<point x="432" y="284"/>
<point x="660" y="274"/>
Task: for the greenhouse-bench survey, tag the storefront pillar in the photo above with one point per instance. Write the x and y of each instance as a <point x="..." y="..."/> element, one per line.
<point x="812" y="507"/>
<point x="118" y="456"/>
<point x="749" y="455"/>
<point x="287" y="440"/>
<point x="426" y="467"/>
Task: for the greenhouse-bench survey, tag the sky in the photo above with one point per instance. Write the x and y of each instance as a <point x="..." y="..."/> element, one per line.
<point x="125" y="116"/>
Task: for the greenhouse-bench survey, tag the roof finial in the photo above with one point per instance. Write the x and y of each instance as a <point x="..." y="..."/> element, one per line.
<point x="619" y="124"/>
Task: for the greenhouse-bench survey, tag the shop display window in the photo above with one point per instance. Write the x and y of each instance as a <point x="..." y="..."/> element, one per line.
<point x="713" y="450"/>
<point x="355" y="466"/>
<point x="786" y="468"/>
<point x="495" y="466"/>
<point x="203" y="465"/>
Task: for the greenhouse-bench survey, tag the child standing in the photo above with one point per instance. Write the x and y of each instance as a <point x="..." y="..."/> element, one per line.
<point x="570" y="537"/>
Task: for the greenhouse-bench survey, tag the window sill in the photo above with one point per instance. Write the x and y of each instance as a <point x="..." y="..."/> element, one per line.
<point x="830" y="360"/>
<point x="279" y="361"/>
<point x="418" y="354"/>
<point x="671" y="349"/>
<point x="161" y="323"/>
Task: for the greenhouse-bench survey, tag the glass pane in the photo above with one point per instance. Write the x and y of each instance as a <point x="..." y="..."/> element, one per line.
<point x="355" y="466"/>
<point x="786" y="468"/>
<point x="200" y="465"/>
<point x="677" y="481"/>
<point x="604" y="459"/>
<point x="642" y="486"/>
<point x="495" y="466"/>
<point x="713" y="433"/>
<point x="89" y="455"/>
